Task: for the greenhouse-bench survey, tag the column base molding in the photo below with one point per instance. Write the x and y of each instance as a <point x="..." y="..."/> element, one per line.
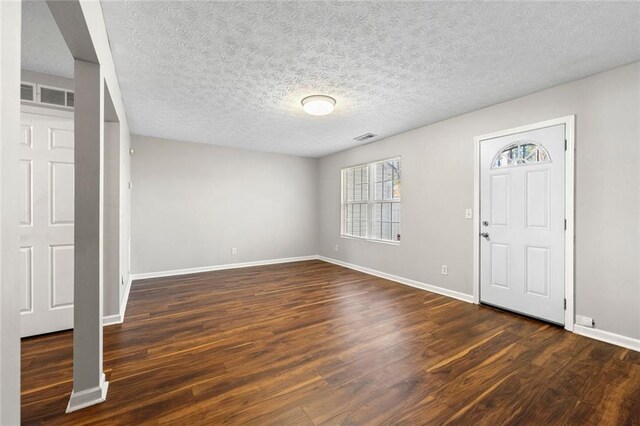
<point x="88" y="397"/>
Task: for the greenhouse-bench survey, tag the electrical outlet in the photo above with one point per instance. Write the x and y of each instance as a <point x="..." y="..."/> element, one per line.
<point x="468" y="213"/>
<point x="445" y="270"/>
<point x="234" y="250"/>
<point x="585" y="321"/>
<point x="336" y="248"/>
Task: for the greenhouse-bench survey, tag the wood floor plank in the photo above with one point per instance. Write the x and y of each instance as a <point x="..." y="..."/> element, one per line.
<point x="312" y="343"/>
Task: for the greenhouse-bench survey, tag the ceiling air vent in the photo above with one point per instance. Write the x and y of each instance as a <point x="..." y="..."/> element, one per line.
<point x="364" y="137"/>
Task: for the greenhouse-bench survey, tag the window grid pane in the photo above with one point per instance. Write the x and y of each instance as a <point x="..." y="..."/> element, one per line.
<point x="385" y="208"/>
<point x="387" y="180"/>
<point x="386" y="221"/>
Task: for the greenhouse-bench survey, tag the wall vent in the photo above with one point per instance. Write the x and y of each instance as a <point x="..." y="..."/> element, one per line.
<point x="364" y="137"/>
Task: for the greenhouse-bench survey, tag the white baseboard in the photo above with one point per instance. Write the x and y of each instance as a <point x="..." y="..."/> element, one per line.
<point x="187" y="271"/>
<point x="119" y="317"/>
<point x="111" y="320"/>
<point x="406" y="281"/>
<point x="608" y="337"/>
<point x="88" y="397"/>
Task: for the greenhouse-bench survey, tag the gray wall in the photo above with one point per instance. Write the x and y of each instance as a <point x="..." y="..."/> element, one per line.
<point x="117" y="216"/>
<point x="192" y="203"/>
<point x="46" y="79"/>
<point x="112" y="245"/>
<point x="437" y="163"/>
<point x="125" y="213"/>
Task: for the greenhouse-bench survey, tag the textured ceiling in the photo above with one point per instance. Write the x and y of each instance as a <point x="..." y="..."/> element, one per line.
<point x="43" y="48"/>
<point x="233" y="73"/>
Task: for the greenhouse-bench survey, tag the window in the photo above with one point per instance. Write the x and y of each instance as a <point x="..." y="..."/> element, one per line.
<point x="52" y="96"/>
<point x="371" y="202"/>
<point x="27" y="92"/>
<point x="356" y="209"/>
<point x="521" y="153"/>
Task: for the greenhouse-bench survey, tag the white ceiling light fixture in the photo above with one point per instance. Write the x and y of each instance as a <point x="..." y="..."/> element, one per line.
<point x="318" y="104"/>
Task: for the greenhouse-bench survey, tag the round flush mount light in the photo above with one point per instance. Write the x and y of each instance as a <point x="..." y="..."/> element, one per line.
<point x="318" y="104"/>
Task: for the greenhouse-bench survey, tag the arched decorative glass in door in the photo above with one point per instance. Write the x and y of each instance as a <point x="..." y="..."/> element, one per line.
<point x="519" y="154"/>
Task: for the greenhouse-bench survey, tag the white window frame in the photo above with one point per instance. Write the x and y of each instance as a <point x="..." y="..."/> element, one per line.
<point x="35" y="91"/>
<point x="61" y="89"/>
<point x="371" y="201"/>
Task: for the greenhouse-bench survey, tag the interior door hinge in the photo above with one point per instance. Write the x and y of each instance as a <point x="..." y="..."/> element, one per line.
<point x="565" y="144"/>
<point x="565" y="304"/>
<point x="565" y="224"/>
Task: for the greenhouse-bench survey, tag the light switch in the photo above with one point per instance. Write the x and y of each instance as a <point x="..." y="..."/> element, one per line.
<point x="468" y="213"/>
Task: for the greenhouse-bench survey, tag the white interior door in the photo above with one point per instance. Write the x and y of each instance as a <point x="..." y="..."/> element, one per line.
<point x="522" y="222"/>
<point x="46" y="223"/>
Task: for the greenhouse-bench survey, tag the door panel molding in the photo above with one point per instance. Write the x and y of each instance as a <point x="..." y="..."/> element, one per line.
<point x="537" y="271"/>
<point x="501" y="196"/>
<point x="501" y="277"/>
<point x="61" y="262"/>
<point x="569" y="197"/>
<point x="26" y="254"/>
<point x="537" y="212"/>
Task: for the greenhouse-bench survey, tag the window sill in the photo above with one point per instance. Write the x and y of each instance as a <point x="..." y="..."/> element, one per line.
<point x="371" y="240"/>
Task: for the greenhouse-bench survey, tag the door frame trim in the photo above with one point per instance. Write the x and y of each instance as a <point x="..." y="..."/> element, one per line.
<point x="49" y="112"/>
<point x="569" y="197"/>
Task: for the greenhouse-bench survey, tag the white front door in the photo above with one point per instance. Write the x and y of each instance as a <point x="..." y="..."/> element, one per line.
<point x="46" y="223"/>
<point x="522" y="222"/>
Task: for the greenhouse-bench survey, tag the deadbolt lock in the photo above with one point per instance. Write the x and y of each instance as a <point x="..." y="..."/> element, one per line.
<point x="485" y="223"/>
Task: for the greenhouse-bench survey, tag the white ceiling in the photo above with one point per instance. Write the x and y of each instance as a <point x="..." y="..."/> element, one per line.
<point x="233" y="73"/>
<point x="43" y="48"/>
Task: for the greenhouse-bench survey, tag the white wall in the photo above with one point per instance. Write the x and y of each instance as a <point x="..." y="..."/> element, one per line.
<point x="9" y="241"/>
<point x="437" y="164"/>
<point x="192" y="203"/>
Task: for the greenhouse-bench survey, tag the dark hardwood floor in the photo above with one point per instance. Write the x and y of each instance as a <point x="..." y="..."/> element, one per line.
<point x="314" y="343"/>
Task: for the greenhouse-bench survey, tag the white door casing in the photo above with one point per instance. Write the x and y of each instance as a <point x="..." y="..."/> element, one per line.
<point x="46" y="223"/>
<point x="522" y="222"/>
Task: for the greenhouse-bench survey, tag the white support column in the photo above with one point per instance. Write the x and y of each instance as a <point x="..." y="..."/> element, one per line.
<point x="89" y="385"/>
<point x="9" y="239"/>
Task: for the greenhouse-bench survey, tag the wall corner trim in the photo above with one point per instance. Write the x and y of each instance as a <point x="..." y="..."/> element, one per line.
<point x="119" y="317"/>
<point x="406" y="281"/>
<point x="111" y="320"/>
<point x="187" y="271"/>
<point x="608" y="337"/>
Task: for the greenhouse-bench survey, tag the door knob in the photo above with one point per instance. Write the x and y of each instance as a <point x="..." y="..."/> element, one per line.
<point x="484" y="234"/>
